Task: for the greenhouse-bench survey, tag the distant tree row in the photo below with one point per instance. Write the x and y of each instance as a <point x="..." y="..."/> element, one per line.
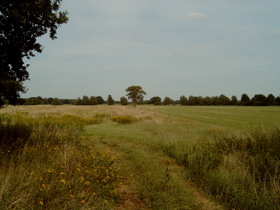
<point x="257" y="100"/>
<point x="39" y="100"/>
<point x="92" y="100"/>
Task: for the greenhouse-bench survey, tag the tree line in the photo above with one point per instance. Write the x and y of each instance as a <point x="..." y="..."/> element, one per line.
<point x="257" y="100"/>
<point x="245" y="100"/>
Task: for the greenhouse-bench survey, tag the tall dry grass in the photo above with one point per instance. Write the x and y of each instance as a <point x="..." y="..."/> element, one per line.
<point x="45" y="165"/>
<point x="240" y="169"/>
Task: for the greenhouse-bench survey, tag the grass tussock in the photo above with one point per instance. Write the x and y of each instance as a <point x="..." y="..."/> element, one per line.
<point x="44" y="165"/>
<point x="242" y="170"/>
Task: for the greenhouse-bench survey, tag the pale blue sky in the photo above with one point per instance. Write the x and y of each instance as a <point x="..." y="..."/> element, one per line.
<point x="170" y="48"/>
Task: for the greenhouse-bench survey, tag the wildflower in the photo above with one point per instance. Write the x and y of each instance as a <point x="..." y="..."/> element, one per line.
<point x="83" y="201"/>
<point x="62" y="181"/>
<point x="41" y="203"/>
<point x="87" y="183"/>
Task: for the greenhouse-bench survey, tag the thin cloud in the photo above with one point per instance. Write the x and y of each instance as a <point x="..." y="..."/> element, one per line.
<point x="195" y="15"/>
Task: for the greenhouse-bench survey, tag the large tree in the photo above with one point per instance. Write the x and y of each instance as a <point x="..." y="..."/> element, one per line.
<point x="135" y="93"/>
<point x="21" y="23"/>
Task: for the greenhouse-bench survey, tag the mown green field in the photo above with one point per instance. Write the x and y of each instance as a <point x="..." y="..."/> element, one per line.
<point x="238" y="117"/>
<point x="148" y="157"/>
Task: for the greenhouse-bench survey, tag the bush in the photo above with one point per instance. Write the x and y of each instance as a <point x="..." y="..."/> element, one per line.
<point x="125" y="119"/>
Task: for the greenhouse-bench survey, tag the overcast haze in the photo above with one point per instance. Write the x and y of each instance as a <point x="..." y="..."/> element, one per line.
<point x="170" y="48"/>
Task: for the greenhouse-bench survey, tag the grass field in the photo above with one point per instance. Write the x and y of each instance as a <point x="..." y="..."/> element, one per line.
<point x="148" y="157"/>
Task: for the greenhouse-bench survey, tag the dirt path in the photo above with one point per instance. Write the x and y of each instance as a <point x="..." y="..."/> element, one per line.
<point x="135" y="160"/>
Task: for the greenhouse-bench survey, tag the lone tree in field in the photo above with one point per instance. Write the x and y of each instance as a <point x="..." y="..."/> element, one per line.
<point x="135" y="93"/>
<point x="21" y="23"/>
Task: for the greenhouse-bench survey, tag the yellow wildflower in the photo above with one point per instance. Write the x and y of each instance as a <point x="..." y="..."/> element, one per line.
<point x="41" y="203"/>
<point x="62" y="180"/>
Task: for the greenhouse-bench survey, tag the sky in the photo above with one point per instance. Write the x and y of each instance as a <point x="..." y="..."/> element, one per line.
<point x="169" y="48"/>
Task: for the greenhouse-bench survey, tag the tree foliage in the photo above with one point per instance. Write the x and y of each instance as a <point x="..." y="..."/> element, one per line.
<point x="245" y="100"/>
<point x="110" y="100"/>
<point x="56" y="101"/>
<point x="21" y="23"/>
<point x="92" y="100"/>
<point x="100" y="100"/>
<point x="156" y="100"/>
<point x="183" y="100"/>
<point x="234" y="100"/>
<point x="167" y="101"/>
<point x="135" y="93"/>
<point x="123" y="100"/>
<point x="259" y="100"/>
<point x="271" y="100"/>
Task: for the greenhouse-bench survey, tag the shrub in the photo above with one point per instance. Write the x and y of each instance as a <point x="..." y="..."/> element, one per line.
<point x="125" y="119"/>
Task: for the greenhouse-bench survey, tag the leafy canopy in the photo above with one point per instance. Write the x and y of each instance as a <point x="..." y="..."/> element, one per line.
<point x="135" y="93"/>
<point x="21" y="23"/>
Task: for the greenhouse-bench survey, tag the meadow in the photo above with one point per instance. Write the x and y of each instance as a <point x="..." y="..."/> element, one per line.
<point x="144" y="157"/>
